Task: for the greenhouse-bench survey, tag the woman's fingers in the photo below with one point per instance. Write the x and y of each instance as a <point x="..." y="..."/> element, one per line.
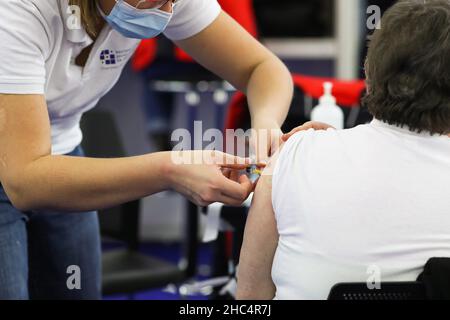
<point x="234" y="175"/>
<point x="237" y="190"/>
<point x="228" y="161"/>
<point x="227" y="172"/>
<point x="221" y="180"/>
<point x="308" y="125"/>
<point x="224" y="185"/>
<point x="225" y="160"/>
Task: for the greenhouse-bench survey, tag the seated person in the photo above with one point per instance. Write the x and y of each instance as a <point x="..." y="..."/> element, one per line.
<point x="372" y="201"/>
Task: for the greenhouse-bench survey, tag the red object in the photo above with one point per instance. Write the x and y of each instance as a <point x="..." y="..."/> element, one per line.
<point x="229" y="239"/>
<point x="347" y="93"/>
<point x="181" y="55"/>
<point x="240" y="10"/>
<point x="145" y="54"/>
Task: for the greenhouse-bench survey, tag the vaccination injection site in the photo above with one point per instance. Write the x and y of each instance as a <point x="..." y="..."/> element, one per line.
<point x="230" y="156"/>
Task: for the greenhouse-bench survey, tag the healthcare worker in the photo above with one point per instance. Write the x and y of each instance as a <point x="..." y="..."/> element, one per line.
<point x="57" y="59"/>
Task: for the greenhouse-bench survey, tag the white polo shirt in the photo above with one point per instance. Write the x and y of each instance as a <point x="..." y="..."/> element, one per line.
<point x="38" y="47"/>
<point x="355" y="205"/>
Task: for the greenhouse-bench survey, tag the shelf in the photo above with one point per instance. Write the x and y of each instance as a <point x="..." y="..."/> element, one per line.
<point x="306" y="48"/>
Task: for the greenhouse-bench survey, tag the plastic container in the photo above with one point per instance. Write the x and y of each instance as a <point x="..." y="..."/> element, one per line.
<point x="328" y="111"/>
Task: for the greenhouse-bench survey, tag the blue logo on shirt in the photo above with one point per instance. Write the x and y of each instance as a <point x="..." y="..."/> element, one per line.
<point x="108" y="57"/>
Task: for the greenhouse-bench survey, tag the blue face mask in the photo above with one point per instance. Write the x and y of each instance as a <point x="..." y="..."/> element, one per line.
<point x="137" y="23"/>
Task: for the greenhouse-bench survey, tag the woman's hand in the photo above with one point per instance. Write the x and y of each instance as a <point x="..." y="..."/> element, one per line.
<point x="308" y="125"/>
<point x="205" y="177"/>
<point x="267" y="137"/>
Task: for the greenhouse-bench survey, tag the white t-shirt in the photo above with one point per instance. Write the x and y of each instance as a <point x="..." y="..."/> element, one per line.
<point x="38" y="47"/>
<point x="359" y="205"/>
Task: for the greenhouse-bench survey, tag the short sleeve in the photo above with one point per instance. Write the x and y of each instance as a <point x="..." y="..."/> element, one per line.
<point x="191" y="17"/>
<point x="285" y="169"/>
<point x="23" y="47"/>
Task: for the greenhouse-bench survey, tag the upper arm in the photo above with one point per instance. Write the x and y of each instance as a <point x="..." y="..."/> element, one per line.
<point x="259" y="247"/>
<point x="24" y="121"/>
<point x="226" y="49"/>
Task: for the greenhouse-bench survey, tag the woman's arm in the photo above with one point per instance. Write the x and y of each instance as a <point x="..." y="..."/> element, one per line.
<point x="258" y="250"/>
<point x="228" y="50"/>
<point x="34" y="179"/>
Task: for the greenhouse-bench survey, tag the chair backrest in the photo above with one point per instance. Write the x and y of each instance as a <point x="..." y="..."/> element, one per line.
<point x="388" y="291"/>
<point x="102" y="140"/>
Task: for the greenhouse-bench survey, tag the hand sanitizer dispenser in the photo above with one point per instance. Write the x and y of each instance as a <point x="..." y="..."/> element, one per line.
<point x="327" y="111"/>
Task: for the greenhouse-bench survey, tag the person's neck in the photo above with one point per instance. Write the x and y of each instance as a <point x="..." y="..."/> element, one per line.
<point x="106" y="5"/>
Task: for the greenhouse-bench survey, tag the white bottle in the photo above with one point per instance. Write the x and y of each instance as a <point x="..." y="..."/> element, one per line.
<point x="327" y="111"/>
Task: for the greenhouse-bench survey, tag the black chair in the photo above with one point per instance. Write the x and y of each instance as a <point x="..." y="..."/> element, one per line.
<point x="126" y="270"/>
<point x="388" y="291"/>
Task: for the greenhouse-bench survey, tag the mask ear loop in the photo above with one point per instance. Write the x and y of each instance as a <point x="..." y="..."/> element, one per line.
<point x="139" y="3"/>
<point x="100" y="10"/>
<point x="143" y="1"/>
